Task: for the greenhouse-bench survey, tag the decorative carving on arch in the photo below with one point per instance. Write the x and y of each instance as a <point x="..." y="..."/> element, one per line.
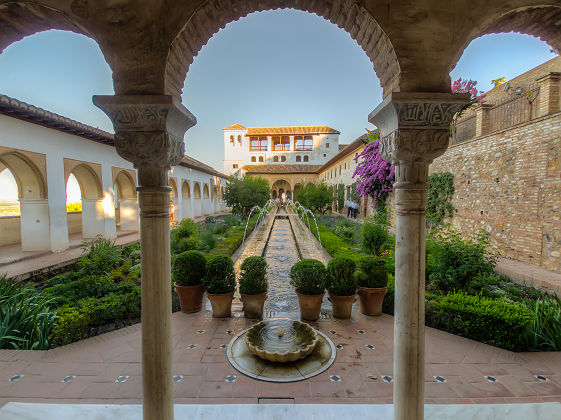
<point x="213" y="15"/>
<point x="23" y="18"/>
<point x="540" y="21"/>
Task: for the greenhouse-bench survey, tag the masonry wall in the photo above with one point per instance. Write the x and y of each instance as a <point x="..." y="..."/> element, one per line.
<point x="509" y="183"/>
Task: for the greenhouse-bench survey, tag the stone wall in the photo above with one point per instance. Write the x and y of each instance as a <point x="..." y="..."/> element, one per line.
<point x="509" y="183"/>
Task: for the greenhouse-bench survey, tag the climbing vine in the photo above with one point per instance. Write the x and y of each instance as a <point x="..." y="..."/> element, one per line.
<point x="439" y="202"/>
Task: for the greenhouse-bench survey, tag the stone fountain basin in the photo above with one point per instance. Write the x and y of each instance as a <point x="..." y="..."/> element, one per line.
<point x="281" y="340"/>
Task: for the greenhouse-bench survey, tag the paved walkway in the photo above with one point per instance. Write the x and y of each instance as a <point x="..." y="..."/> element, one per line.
<point x="33" y="264"/>
<point x="530" y="275"/>
<point x="107" y="368"/>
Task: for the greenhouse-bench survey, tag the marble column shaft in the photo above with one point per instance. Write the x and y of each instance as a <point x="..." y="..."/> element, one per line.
<point x="414" y="129"/>
<point x="149" y="132"/>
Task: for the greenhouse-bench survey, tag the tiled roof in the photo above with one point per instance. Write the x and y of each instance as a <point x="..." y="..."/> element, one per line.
<point x="342" y="147"/>
<point x="234" y="127"/>
<point x="273" y="169"/>
<point x="349" y="148"/>
<point x="190" y="162"/>
<point x="24" y="111"/>
<point x="291" y="130"/>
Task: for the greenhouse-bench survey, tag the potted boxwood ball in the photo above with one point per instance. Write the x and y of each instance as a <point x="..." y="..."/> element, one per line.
<point x="253" y="286"/>
<point x="220" y="283"/>
<point x="341" y="286"/>
<point x="308" y="278"/>
<point x="188" y="272"/>
<point x="372" y="284"/>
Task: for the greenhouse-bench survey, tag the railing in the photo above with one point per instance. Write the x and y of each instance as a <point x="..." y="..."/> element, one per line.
<point x="517" y="109"/>
<point x="257" y="148"/>
<point x="463" y="128"/>
<point x="304" y="148"/>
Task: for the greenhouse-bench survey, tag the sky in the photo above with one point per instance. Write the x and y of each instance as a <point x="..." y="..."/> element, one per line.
<point x="281" y="67"/>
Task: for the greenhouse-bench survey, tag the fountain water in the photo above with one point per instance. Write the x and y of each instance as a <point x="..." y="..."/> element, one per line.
<point x="263" y="212"/>
<point x="303" y="211"/>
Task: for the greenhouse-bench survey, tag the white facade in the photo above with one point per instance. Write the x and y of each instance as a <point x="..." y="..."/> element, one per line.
<point x="41" y="159"/>
<point x="307" y="145"/>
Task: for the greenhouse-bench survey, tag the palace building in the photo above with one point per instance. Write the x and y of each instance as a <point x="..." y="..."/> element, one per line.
<point x="300" y="145"/>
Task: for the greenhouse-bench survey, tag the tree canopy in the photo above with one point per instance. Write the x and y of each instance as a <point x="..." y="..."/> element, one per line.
<point x="243" y="193"/>
<point x="316" y="197"/>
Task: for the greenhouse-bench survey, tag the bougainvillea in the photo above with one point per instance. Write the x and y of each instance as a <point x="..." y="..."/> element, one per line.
<point x="375" y="175"/>
<point x="468" y="86"/>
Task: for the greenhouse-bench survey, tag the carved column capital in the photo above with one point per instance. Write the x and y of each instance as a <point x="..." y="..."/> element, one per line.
<point x="149" y="129"/>
<point x="414" y="130"/>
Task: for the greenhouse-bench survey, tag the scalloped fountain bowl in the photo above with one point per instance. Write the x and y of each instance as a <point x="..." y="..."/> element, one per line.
<point x="281" y="340"/>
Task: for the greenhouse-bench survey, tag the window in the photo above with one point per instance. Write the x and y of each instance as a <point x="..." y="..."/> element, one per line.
<point x="324" y="155"/>
<point x="275" y="159"/>
<point x="235" y="166"/>
<point x="303" y="143"/>
<point x="258" y="143"/>
<point x="306" y="158"/>
<point x="232" y="139"/>
<point x="253" y="159"/>
<point x="260" y="158"/>
<point x="298" y="158"/>
<point x="283" y="158"/>
<point x="239" y="139"/>
<point x="327" y="145"/>
<point x="339" y="170"/>
<point x="281" y="143"/>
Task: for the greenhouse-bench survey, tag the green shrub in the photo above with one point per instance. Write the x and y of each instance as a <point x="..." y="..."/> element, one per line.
<point x="372" y="272"/>
<point x="491" y="321"/>
<point x="544" y="332"/>
<point x="375" y="238"/>
<point x="389" y="299"/>
<point x="180" y="245"/>
<point x="71" y="292"/>
<point x="189" y="268"/>
<point x="219" y="228"/>
<point x="341" y="279"/>
<point x="99" y="257"/>
<point x="79" y="321"/>
<point x="220" y="276"/>
<point x="208" y="241"/>
<point x="26" y="320"/>
<point x="457" y="261"/>
<point x="308" y="277"/>
<point x="253" y="276"/>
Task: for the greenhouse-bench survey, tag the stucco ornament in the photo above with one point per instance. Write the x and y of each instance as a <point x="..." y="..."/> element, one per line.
<point x="415" y="129"/>
<point x="149" y="129"/>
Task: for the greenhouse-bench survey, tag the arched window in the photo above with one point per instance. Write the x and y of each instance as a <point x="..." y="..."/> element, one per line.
<point x="240" y="139"/>
<point x="232" y="138"/>
<point x="306" y="158"/>
<point x="275" y="159"/>
<point x="253" y="159"/>
<point x="283" y="158"/>
<point x="260" y="158"/>
<point x="298" y="158"/>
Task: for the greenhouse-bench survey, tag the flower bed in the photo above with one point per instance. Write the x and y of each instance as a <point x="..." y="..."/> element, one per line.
<point x="464" y="295"/>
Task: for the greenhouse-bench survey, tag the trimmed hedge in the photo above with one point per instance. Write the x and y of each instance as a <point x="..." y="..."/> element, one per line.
<point x="308" y="277"/>
<point x="189" y="268"/>
<point x="234" y="238"/>
<point x="253" y="276"/>
<point x="491" y="321"/>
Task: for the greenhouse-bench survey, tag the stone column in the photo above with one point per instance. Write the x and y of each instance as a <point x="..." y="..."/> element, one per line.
<point x="58" y="220"/>
<point x="550" y="93"/>
<point x="149" y="132"/>
<point x="415" y="129"/>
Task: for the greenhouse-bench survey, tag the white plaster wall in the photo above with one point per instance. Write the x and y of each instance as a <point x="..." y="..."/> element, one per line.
<point x="10" y="230"/>
<point x="74" y="220"/>
<point x="236" y="153"/>
<point x="45" y="223"/>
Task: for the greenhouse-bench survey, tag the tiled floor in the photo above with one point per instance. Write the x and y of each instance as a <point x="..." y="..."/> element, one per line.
<point x="107" y="368"/>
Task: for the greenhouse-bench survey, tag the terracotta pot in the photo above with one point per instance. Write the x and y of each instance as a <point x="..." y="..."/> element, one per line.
<point x="310" y="306"/>
<point x="190" y="297"/>
<point x="342" y="305"/>
<point x="253" y="305"/>
<point x="371" y="300"/>
<point x="221" y="304"/>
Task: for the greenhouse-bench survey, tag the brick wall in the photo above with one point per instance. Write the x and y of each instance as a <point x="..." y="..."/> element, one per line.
<point x="509" y="183"/>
